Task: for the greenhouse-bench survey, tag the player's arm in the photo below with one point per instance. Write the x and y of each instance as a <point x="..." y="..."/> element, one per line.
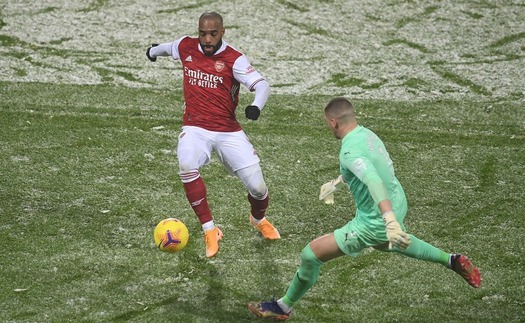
<point x="395" y="234"/>
<point x="164" y="49"/>
<point x="367" y="173"/>
<point x="255" y="82"/>
<point x="262" y="93"/>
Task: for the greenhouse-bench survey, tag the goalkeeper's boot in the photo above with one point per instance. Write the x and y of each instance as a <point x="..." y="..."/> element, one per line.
<point x="267" y="229"/>
<point x="211" y="239"/>
<point x="268" y="310"/>
<point x="464" y="267"/>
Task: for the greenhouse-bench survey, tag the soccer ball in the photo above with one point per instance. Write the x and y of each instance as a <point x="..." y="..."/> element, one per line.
<point x="171" y="235"/>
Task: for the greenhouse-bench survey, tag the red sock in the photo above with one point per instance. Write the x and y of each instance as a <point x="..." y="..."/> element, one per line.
<point x="258" y="206"/>
<point x="196" y="195"/>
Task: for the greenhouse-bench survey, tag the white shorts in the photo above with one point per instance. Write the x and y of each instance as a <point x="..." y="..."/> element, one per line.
<point x="196" y="145"/>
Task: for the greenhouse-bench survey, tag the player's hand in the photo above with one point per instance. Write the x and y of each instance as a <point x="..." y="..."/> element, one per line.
<point x="396" y="236"/>
<point x="328" y="189"/>
<point x="153" y="59"/>
<point x="329" y="199"/>
<point x="252" y="112"/>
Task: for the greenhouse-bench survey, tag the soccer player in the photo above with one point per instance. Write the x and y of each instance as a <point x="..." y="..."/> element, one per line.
<point x="367" y="170"/>
<point x="212" y="74"/>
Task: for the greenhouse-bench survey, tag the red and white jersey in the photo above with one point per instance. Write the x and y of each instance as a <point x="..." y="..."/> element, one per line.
<point x="211" y="84"/>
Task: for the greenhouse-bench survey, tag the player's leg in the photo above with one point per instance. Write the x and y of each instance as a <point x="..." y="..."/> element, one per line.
<point x="258" y="198"/>
<point x="313" y="256"/>
<point x="343" y="241"/>
<point x="194" y="151"/>
<point x="422" y="250"/>
<point x="239" y="157"/>
<point x="252" y="178"/>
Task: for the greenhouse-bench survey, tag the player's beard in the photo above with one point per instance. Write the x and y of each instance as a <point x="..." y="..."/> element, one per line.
<point x="215" y="48"/>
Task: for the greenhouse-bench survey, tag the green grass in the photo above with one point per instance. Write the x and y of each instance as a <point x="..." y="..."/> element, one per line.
<point x="88" y="135"/>
<point x="87" y="171"/>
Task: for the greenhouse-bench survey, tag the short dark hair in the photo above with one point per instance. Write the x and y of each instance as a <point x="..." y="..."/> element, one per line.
<point x="340" y="108"/>
<point x="211" y="15"/>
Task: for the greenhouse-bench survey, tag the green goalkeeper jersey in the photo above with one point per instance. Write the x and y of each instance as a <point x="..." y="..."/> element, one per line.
<point x="368" y="170"/>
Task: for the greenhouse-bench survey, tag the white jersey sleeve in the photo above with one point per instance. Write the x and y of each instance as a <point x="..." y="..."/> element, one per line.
<point x="167" y="49"/>
<point x="262" y="92"/>
<point x="244" y="72"/>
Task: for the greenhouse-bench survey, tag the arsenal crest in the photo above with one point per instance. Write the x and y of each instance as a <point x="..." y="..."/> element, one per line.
<point x="219" y="66"/>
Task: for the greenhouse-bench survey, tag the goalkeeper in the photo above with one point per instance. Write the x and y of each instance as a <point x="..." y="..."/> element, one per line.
<point x="367" y="170"/>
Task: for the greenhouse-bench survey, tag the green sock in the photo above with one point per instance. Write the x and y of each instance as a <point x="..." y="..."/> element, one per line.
<point x="420" y="249"/>
<point x="305" y="277"/>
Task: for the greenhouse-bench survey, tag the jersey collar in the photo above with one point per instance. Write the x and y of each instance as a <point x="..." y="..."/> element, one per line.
<point x="223" y="47"/>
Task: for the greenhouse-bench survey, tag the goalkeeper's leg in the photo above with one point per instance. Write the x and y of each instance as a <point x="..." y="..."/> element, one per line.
<point x="461" y="264"/>
<point x="313" y="256"/>
<point x="422" y="250"/>
<point x="305" y="277"/>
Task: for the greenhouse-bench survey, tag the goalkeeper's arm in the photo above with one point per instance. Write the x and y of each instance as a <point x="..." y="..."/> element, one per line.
<point x="395" y="234"/>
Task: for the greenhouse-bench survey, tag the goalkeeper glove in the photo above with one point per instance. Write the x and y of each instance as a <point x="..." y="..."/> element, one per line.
<point x="328" y="189"/>
<point x="153" y="59"/>
<point x="396" y="236"/>
<point x="252" y="112"/>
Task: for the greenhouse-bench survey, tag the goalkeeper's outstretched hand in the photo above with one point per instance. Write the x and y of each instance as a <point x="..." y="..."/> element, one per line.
<point x="328" y="189"/>
<point x="396" y="236"/>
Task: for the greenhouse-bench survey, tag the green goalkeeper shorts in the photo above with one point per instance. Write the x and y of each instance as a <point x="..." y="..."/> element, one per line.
<point x="364" y="231"/>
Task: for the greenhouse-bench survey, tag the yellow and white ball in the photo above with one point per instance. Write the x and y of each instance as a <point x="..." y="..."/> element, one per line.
<point x="171" y="235"/>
